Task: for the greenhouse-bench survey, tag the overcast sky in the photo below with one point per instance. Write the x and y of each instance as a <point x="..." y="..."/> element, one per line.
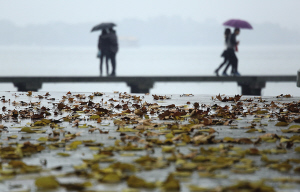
<point x="23" y="12"/>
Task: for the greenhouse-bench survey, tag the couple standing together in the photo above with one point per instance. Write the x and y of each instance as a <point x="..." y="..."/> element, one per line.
<point x="108" y="48"/>
<point x="229" y="53"/>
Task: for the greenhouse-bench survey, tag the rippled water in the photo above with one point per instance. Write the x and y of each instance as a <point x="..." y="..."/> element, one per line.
<point x="81" y="153"/>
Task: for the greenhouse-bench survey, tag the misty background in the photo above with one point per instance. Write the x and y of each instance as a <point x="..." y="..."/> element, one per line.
<point x="53" y="37"/>
<point x="155" y="22"/>
<point x="155" y="31"/>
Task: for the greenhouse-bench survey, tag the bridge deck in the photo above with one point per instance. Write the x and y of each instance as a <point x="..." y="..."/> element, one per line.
<point x="53" y="79"/>
<point x="251" y="85"/>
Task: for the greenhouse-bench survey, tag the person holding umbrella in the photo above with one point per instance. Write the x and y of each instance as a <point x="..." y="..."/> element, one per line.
<point x="103" y="50"/>
<point x="232" y="47"/>
<point x="112" y="49"/>
<point x="227" y="35"/>
<point x="108" y="45"/>
<point x="233" y="43"/>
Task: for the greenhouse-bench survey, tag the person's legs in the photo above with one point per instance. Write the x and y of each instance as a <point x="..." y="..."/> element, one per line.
<point x="225" y="70"/>
<point x="233" y="61"/>
<point x="113" y="63"/>
<point x="106" y="62"/>
<point x="101" y="62"/>
<point x="221" y="65"/>
<point x="235" y="67"/>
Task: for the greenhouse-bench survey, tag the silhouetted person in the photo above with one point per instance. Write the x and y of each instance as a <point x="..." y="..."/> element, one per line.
<point x="232" y="47"/>
<point x="112" y="49"/>
<point x="103" y="47"/>
<point x="227" y="34"/>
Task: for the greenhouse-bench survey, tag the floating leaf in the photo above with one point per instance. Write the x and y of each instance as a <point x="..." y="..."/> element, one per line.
<point x="13" y="137"/>
<point x="171" y="184"/>
<point x="111" y="178"/>
<point x="42" y="139"/>
<point x="42" y="122"/>
<point x="194" y="188"/>
<point x="94" y="117"/>
<point x="75" y="144"/>
<point x="27" y="130"/>
<point x="63" y="154"/>
<point x="136" y="182"/>
<point x="282" y="124"/>
<point x="46" y="182"/>
<point x="127" y="130"/>
<point x="84" y="126"/>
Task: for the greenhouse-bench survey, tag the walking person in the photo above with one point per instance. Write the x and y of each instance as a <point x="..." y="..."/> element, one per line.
<point x="232" y="47"/>
<point x="112" y="49"/>
<point x="227" y="35"/>
<point x="103" y="50"/>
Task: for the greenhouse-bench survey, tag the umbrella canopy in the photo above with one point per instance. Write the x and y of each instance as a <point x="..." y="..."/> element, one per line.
<point x="237" y="23"/>
<point x="103" y="26"/>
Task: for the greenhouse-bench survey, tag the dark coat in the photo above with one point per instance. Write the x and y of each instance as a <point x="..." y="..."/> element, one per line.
<point x="103" y="43"/>
<point x="112" y="42"/>
<point x="232" y="41"/>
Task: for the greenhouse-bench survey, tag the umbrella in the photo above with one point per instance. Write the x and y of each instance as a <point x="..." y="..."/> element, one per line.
<point x="237" y="23"/>
<point x="103" y="26"/>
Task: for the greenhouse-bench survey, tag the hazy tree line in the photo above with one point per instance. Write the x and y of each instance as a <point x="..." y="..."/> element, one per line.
<point x="156" y="31"/>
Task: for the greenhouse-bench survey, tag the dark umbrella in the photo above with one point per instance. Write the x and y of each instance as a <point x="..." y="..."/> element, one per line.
<point x="103" y="26"/>
<point x="237" y="23"/>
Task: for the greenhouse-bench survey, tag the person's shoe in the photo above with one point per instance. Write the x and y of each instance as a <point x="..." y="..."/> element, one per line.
<point x="224" y="74"/>
<point x="112" y="75"/>
<point x="216" y="72"/>
<point x="236" y="74"/>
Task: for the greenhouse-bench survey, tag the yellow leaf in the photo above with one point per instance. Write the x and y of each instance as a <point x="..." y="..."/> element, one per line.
<point x="42" y="122"/>
<point x="136" y="182"/>
<point x="94" y="117"/>
<point x="83" y="126"/>
<point x="111" y="178"/>
<point x="282" y="124"/>
<point x="41" y="131"/>
<point x="294" y="126"/>
<point x="75" y="144"/>
<point x="169" y="135"/>
<point x="127" y="154"/>
<point x="47" y="182"/>
<point x="126" y="130"/>
<point x="171" y="184"/>
<point x="282" y="140"/>
<point x="167" y="149"/>
<point x="182" y="174"/>
<point x="94" y="148"/>
<point x="27" y="130"/>
<point x="80" y="167"/>
<point x="251" y="130"/>
<point x="42" y="139"/>
<point x="194" y="188"/>
<point x="228" y="139"/>
<point x="13" y="136"/>
<point x="63" y="154"/>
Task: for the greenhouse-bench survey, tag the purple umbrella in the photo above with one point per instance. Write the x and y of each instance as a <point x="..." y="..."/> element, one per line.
<point x="237" y="23"/>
